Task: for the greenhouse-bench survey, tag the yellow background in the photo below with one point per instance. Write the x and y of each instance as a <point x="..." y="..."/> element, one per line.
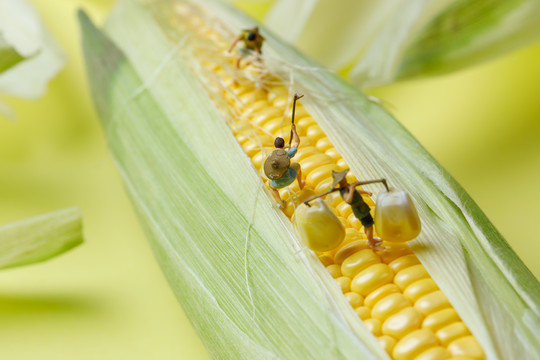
<point x="108" y="300"/>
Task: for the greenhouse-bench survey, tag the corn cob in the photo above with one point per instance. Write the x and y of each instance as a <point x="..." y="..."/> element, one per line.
<point x="383" y="290"/>
<point x="392" y="293"/>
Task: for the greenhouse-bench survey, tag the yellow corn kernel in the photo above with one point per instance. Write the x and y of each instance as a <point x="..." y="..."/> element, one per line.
<point x="334" y="270"/>
<point x="354" y="299"/>
<point x="319" y="174"/>
<point x="371" y="278"/>
<point x="414" y="344"/>
<point x="381" y="293"/>
<point x="402" y="322"/>
<point x="363" y="312"/>
<point x="452" y="332"/>
<point x="387" y="342"/>
<point x="344" y="209"/>
<point x="403" y="262"/>
<point x="466" y="346"/>
<point x="318" y="227"/>
<point x="358" y="262"/>
<point x="324" y="144"/>
<point x="345" y="283"/>
<point x="406" y="277"/>
<point x="431" y="303"/>
<point x="435" y="353"/>
<point x="374" y="326"/>
<point x="396" y="218"/>
<point x="326" y="259"/>
<point x="420" y="288"/>
<point x="389" y="306"/>
<point x="314" y="161"/>
<point x="440" y="319"/>
<point x="349" y="249"/>
<point x="315" y="132"/>
<point x="305" y="152"/>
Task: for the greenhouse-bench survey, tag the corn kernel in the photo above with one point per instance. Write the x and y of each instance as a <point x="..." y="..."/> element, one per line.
<point x="452" y="332"/>
<point x="466" y="346"/>
<point x="435" y="353"/>
<point x="334" y="270"/>
<point x="402" y="322"/>
<point x="403" y="262"/>
<point x="358" y="262"/>
<point x="414" y="344"/>
<point x="363" y="312"/>
<point x="420" y="288"/>
<point x="431" y="303"/>
<point x="389" y="306"/>
<point x="354" y="299"/>
<point x="345" y="283"/>
<point x="374" y="326"/>
<point x="387" y="343"/>
<point x="371" y="278"/>
<point x="440" y="319"/>
<point x="375" y="296"/>
<point x="406" y="277"/>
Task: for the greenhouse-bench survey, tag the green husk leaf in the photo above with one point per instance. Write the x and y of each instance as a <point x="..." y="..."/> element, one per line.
<point x="372" y="43"/>
<point x="9" y="56"/>
<point x="469" y="32"/>
<point x="40" y="238"/>
<point x="215" y="232"/>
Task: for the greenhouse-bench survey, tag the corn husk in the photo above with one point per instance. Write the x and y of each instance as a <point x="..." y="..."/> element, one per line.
<point x="29" y="56"/>
<point x="376" y="42"/>
<point x="40" y="238"/>
<point x="233" y="260"/>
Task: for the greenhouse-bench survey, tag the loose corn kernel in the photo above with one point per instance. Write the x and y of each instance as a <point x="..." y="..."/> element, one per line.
<point x="391" y="291"/>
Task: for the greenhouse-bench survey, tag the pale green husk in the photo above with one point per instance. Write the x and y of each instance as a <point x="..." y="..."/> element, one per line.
<point x="376" y="42"/>
<point x="233" y="260"/>
<point x="40" y="238"/>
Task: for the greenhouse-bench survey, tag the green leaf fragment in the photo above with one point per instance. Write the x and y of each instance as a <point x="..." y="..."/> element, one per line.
<point x="40" y="238"/>
<point x="9" y="56"/>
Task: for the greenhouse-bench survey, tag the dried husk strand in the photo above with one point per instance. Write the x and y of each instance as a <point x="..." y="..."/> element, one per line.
<point x="174" y="149"/>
